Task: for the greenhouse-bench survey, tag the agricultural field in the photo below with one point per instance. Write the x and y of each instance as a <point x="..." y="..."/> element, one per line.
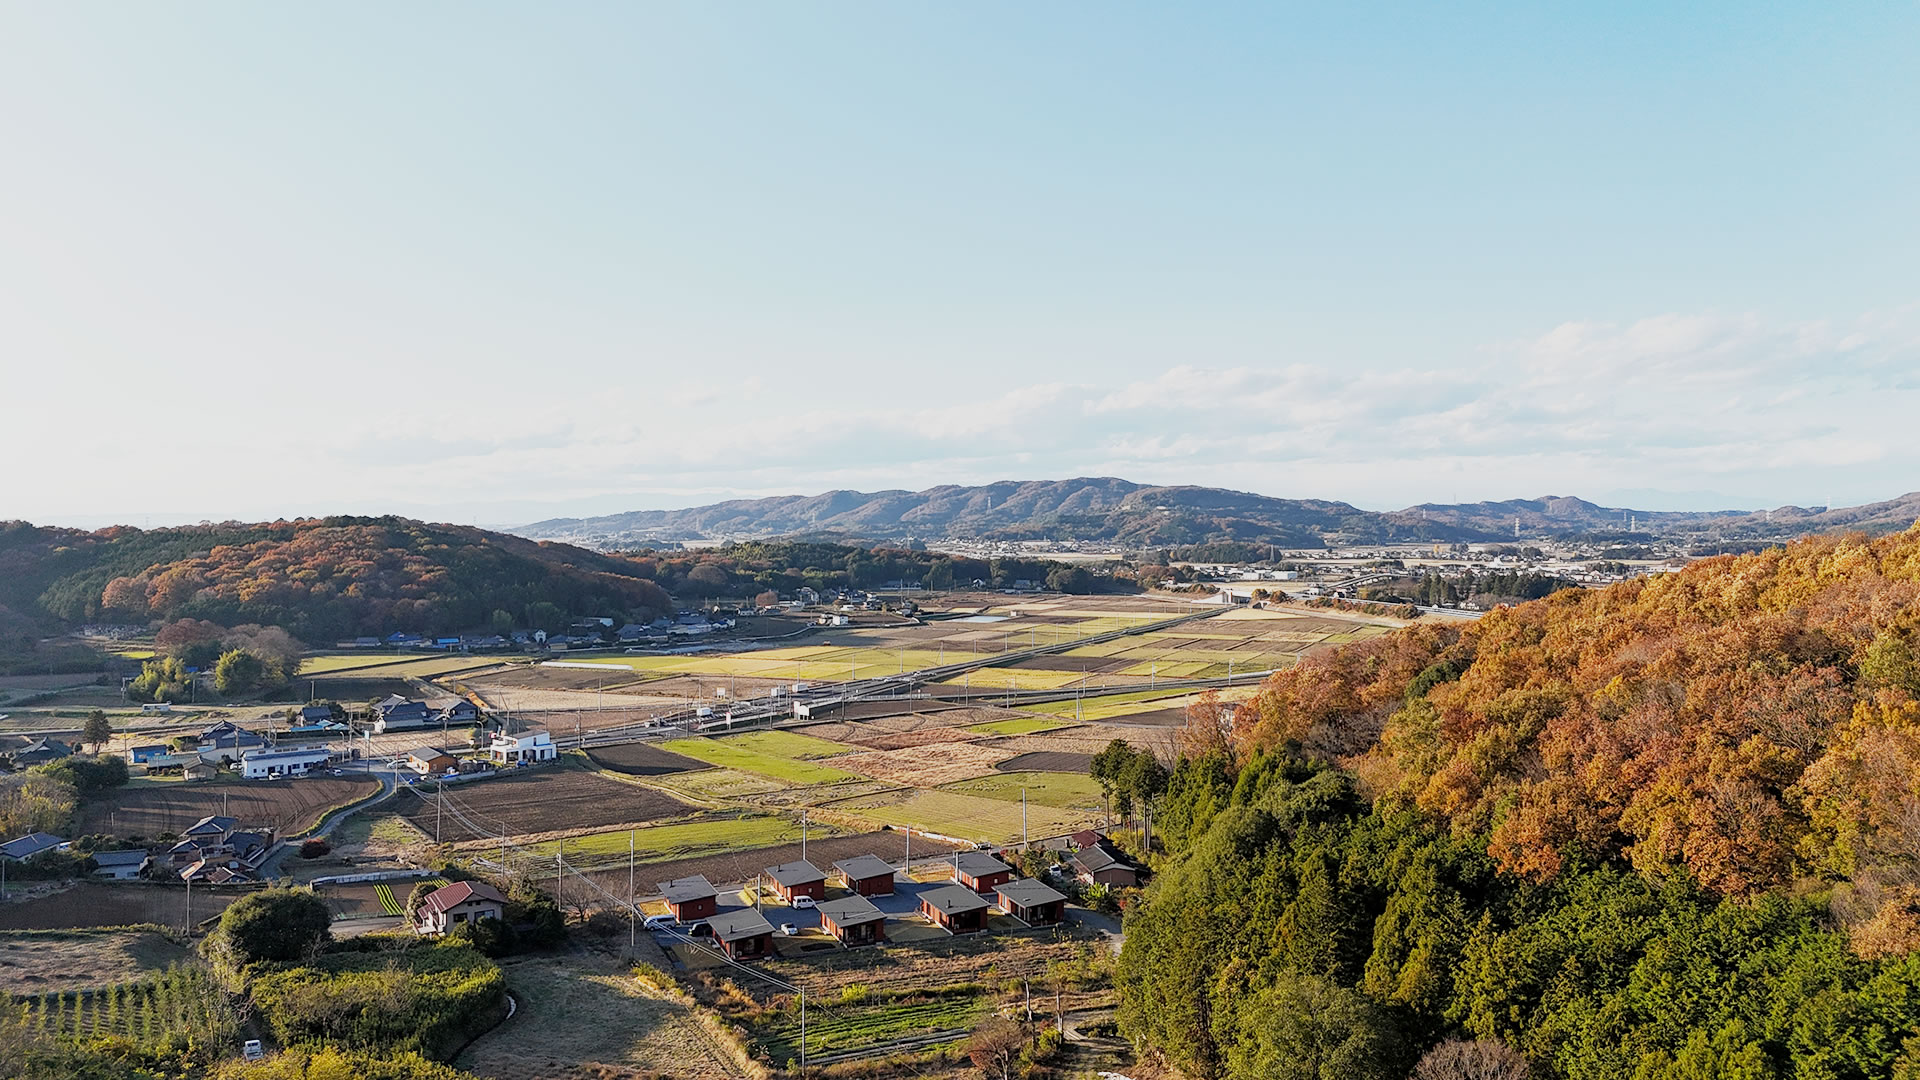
<point x="930" y="765"/>
<point x="95" y="903"/>
<point x="553" y="799"/>
<point x="182" y="1001"/>
<point x="961" y="816"/>
<point x="716" y="835"/>
<point x="1019" y="725"/>
<point x="594" y="1019"/>
<point x="1065" y="790"/>
<point x="642" y="759"/>
<point x="286" y="806"/>
<point x="323" y="665"/>
<point x="738" y="866"/>
<point x="732" y="752"/>
<point x="55" y="961"/>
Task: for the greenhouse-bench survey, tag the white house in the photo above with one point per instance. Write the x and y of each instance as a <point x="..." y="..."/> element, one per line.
<point x="522" y="746"/>
<point x="265" y="764"/>
<point x="461" y="902"/>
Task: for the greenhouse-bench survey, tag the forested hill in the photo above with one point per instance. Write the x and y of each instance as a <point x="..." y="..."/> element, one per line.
<point x="1666" y="829"/>
<point x="1109" y="509"/>
<point x="321" y="579"/>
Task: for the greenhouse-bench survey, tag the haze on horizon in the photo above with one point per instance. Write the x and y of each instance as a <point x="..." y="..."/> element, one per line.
<point x="501" y="263"/>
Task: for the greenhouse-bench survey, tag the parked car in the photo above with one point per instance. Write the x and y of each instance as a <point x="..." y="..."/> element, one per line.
<point x="252" y="1050"/>
<point x="660" y="922"/>
<point x="788" y="929"/>
<point x="804" y="902"/>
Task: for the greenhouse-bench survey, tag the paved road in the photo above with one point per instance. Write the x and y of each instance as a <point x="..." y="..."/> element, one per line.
<point x="270" y="867"/>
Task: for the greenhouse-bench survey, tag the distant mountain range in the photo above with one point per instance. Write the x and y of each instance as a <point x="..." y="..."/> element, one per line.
<point x="1121" y="512"/>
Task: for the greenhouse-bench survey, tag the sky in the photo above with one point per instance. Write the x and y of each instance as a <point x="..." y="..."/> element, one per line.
<point x="501" y="262"/>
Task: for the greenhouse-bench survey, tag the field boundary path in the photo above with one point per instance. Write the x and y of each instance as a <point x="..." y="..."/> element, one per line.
<point x="270" y="866"/>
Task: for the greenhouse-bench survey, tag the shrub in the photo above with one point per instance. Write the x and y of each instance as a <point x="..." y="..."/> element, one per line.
<point x="278" y="924"/>
<point x="425" y="999"/>
<point x="314" y="848"/>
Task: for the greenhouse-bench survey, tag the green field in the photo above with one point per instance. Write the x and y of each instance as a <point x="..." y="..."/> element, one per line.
<point x="684" y="839"/>
<point x="984" y="683"/>
<point x="964" y="816"/>
<point x="1019" y="725"/>
<point x="1068" y="791"/>
<point x="833" y="1026"/>
<point x="719" y="783"/>
<point x="787" y="744"/>
<point x="728" y="754"/>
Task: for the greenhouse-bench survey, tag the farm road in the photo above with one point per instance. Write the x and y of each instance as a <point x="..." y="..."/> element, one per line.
<point x="270" y="868"/>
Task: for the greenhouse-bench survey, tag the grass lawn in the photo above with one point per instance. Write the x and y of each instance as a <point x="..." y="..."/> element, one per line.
<point x="726" y="754"/>
<point x="1074" y="791"/>
<point x="684" y="839"/>
<point x="986" y="681"/>
<point x="966" y="817"/>
<point x="1019" y="725"/>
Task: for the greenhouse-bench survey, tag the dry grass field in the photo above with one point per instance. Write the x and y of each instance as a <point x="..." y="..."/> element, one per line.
<point x="927" y="766"/>
<point x="962" y="816"/>
<point x="584" y="1015"/>
<point x="47" y="961"/>
<point x="283" y="805"/>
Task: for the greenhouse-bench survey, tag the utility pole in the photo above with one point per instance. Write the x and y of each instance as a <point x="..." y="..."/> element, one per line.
<point x="189" y="926"/>
<point x="803" y="836"/>
<point x="1023" y="819"/>
<point x="439" y="808"/>
<point x="633" y="912"/>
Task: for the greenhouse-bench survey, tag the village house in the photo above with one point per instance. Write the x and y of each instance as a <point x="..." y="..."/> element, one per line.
<point x="199" y="768"/>
<point x="226" y="742"/>
<point x="458" y="713"/>
<point x="523" y="746"/>
<point x="40" y="752"/>
<point x="22" y="848"/>
<point x="866" y="875"/>
<point x="980" y="871"/>
<point x="956" y="908"/>
<point x="743" y="932"/>
<point x="854" y="920"/>
<point x="119" y="865"/>
<point x="396" y="713"/>
<point x="690" y="898"/>
<point x="215" y="849"/>
<point x="1102" y="864"/>
<point x="797" y="879"/>
<point x="430" y="762"/>
<point x="1032" y="902"/>
<point x="461" y="902"/>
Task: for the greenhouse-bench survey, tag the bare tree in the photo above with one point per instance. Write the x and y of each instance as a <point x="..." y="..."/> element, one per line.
<point x="1481" y="1059"/>
<point x="995" y="1046"/>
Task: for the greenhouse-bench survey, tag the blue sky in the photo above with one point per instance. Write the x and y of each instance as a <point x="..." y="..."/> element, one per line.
<point x="492" y="262"/>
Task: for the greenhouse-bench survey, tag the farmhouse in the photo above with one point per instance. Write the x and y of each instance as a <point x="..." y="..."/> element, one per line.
<point x="461" y="902"/>
<point x="119" y="865"/>
<point x="1102" y="864"/>
<point x="266" y="764"/>
<point x="798" y="879"/>
<point x="226" y="741"/>
<point x="980" y="871"/>
<point x="525" y="746"/>
<point x="199" y="769"/>
<point x="866" y="875"/>
<point x="458" y="711"/>
<point x="854" y="920"/>
<point x="39" y="752"/>
<point x="399" y="714"/>
<point x="428" y="761"/>
<point x="26" y="847"/>
<point x="214" y="844"/>
<point x="1032" y="902"/>
<point x="690" y="898"/>
<point x="957" y="908"/>
<point x="743" y="932"/>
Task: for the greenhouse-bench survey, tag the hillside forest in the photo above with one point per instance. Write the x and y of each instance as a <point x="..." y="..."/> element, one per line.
<point x="1668" y="829"/>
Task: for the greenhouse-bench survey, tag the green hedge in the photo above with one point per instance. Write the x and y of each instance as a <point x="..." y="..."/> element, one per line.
<point x="427" y="1000"/>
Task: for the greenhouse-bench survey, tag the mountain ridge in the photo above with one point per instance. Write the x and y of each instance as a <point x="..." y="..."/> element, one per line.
<point x="1122" y="511"/>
